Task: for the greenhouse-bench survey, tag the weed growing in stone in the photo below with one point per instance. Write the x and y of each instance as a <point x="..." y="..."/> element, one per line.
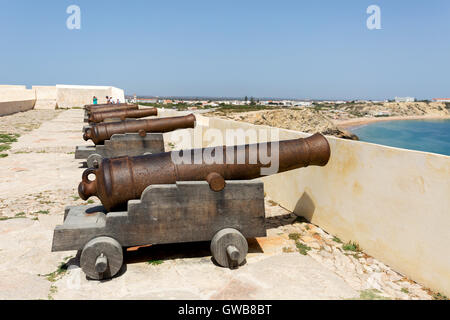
<point x="42" y="212"/>
<point x="6" y="140"/>
<point x="59" y="272"/>
<point x="351" y="246"/>
<point x="372" y="294"/>
<point x="302" y="248"/>
<point x="53" y="290"/>
<point x="155" y="262"/>
<point x="294" y="236"/>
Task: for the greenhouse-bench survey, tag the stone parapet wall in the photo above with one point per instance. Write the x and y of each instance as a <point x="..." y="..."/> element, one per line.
<point x="15" y="99"/>
<point x="79" y="96"/>
<point x="393" y="202"/>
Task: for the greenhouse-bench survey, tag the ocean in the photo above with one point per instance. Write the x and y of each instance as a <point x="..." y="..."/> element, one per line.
<point x="423" y="135"/>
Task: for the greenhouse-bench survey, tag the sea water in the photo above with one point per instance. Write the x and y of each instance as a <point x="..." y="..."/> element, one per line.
<point x="423" y="135"/>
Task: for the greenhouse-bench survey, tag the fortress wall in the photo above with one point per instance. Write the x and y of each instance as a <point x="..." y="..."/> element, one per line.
<point x="117" y="93"/>
<point x="79" y="96"/>
<point x="394" y="203"/>
<point x="45" y="92"/>
<point x="15" y="99"/>
<point x="45" y="97"/>
<point x="7" y="86"/>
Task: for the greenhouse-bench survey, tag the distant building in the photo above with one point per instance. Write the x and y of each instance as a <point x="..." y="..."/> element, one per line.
<point x="380" y="113"/>
<point x="442" y="100"/>
<point x="405" y="99"/>
<point x="303" y="103"/>
<point x="145" y="100"/>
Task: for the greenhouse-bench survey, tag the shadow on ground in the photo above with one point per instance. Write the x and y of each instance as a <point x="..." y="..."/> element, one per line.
<point x="164" y="252"/>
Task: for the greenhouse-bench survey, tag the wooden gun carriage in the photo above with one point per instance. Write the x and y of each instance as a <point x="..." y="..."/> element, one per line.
<point x="174" y="213"/>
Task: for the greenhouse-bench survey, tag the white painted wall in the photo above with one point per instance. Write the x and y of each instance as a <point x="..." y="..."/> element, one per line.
<point x="15" y="98"/>
<point x="45" y="92"/>
<point x="79" y="96"/>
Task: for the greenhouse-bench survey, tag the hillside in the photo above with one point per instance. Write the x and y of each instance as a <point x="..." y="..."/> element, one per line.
<point x="305" y="120"/>
<point x="327" y="118"/>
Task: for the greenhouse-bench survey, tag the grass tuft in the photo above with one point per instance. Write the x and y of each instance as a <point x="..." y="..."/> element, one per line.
<point x="351" y="246"/>
<point x="294" y="236"/>
<point x="42" y="212"/>
<point x="55" y="275"/>
<point x="6" y="140"/>
<point x="155" y="262"/>
<point x="336" y="239"/>
<point x="302" y="248"/>
<point x="372" y="294"/>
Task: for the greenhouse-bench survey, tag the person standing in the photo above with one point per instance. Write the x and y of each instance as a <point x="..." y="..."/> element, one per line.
<point x="95" y="100"/>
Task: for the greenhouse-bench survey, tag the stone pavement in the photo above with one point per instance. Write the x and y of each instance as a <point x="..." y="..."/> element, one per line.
<point x="296" y="261"/>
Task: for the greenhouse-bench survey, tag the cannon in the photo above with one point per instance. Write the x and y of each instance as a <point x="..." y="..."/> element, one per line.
<point x="121" y="143"/>
<point x="118" y="180"/>
<point x="173" y="203"/>
<point x="100" y="116"/>
<point x="129" y="144"/>
<point x="98" y="133"/>
<point x="107" y="108"/>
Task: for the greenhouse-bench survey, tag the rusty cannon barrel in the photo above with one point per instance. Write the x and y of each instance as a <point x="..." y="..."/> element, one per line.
<point x="111" y="107"/>
<point x="98" y="117"/>
<point x="100" y="132"/>
<point x="118" y="180"/>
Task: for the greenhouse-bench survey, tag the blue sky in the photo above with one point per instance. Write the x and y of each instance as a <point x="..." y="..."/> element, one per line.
<point x="299" y="49"/>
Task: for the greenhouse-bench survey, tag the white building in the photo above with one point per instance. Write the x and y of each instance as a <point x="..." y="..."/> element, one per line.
<point x="442" y="100"/>
<point x="302" y="103"/>
<point x="405" y="99"/>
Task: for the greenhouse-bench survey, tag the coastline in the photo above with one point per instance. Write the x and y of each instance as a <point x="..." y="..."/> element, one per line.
<point x="356" y="122"/>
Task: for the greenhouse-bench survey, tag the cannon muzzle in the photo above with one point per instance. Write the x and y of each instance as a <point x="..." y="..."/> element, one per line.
<point x="119" y="180"/>
<point x="100" y="132"/>
<point x="100" y="116"/>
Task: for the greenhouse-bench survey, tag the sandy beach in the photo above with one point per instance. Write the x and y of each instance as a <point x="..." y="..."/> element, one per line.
<point x="347" y="124"/>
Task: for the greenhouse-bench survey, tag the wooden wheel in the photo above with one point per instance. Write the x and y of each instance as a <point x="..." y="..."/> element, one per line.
<point x="229" y="248"/>
<point x="94" y="160"/>
<point x="101" y="258"/>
